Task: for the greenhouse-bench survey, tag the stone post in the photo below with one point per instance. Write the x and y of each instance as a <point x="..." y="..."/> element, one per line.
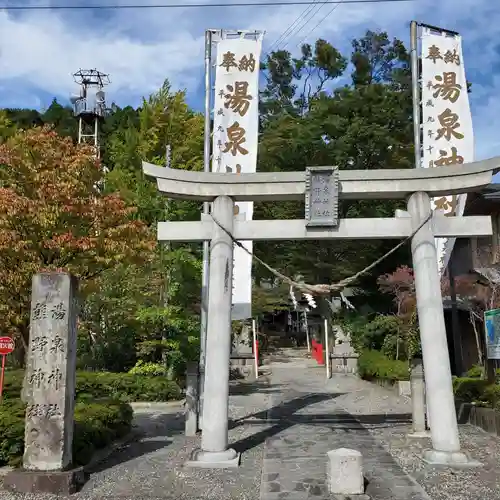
<point x="203" y="348"/>
<point x="201" y="389"/>
<point x="50" y="390"/>
<point x="344" y="472"/>
<point x="444" y="430"/>
<point x="417" y="399"/>
<point x="214" y="451"/>
<point x="191" y="424"/>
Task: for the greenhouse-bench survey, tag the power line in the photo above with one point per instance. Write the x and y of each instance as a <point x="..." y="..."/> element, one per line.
<point x="290" y="29"/>
<point x="306" y="21"/>
<point x="189" y="5"/>
<point x="320" y="22"/>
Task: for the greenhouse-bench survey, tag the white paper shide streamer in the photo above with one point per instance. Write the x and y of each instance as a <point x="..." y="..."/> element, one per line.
<point x="448" y="138"/>
<point x="235" y="142"/>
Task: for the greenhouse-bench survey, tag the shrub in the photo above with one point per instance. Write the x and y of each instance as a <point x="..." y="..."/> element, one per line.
<point x="381" y="333"/>
<point x="125" y="387"/>
<point x="13" y="384"/>
<point x="469" y="389"/>
<point x="374" y="365"/>
<point x="491" y="396"/>
<point x="11" y="432"/>
<point x="121" y="386"/>
<point x="96" y="425"/>
<point x="145" y="368"/>
<point x="477" y="371"/>
<point x="477" y="391"/>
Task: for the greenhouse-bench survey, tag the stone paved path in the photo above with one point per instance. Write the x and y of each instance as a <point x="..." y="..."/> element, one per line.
<point x="284" y="425"/>
<point x="308" y="419"/>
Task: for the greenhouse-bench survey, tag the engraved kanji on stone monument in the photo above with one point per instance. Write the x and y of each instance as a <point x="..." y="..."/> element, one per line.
<point x="322" y="194"/>
<point x="50" y="373"/>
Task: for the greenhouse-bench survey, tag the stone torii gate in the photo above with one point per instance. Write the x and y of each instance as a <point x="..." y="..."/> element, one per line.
<point x="321" y="187"/>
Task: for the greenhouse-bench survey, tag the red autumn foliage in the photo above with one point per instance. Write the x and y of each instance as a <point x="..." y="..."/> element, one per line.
<point x="401" y="284"/>
<point x="53" y="218"/>
<point x="478" y="292"/>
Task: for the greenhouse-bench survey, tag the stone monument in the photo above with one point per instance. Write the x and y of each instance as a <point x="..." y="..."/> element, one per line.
<point x="344" y="355"/>
<point x="50" y="390"/>
<point x="242" y="358"/>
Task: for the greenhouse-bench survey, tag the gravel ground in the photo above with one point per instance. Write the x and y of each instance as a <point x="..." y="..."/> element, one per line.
<point x="450" y="484"/>
<point x="152" y="468"/>
<point x="482" y="483"/>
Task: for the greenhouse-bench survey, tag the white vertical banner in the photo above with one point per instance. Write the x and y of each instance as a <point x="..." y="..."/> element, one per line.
<point x="235" y="142"/>
<point x="448" y="138"/>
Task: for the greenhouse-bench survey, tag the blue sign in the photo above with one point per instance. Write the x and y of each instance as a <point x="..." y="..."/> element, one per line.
<point x="492" y="333"/>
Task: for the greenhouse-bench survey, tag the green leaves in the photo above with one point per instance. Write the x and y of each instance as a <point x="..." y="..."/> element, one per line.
<point x="147" y="302"/>
<point x="155" y="306"/>
<point x="308" y="119"/>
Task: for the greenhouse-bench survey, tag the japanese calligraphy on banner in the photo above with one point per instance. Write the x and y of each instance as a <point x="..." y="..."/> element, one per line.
<point x="446" y="119"/>
<point x="235" y="142"/>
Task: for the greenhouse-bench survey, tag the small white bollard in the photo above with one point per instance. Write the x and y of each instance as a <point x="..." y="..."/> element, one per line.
<point x="345" y="472"/>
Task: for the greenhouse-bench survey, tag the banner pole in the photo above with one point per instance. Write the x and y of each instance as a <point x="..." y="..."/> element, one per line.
<point x="206" y="209"/>
<point x="255" y="349"/>
<point x="327" y="350"/>
<point x="2" y="377"/>
<point x="415" y="90"/>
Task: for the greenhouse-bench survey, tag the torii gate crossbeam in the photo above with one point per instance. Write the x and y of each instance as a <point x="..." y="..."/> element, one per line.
<point x="348" y="229"/>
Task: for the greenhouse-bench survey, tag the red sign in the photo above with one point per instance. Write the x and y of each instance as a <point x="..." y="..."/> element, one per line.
<point x="6" y="345"/>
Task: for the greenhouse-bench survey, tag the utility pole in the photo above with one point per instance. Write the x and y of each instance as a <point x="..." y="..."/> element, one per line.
<point x="89" y="107"/>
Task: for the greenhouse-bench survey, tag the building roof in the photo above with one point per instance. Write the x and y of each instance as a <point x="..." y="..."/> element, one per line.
<point x="482" y="202"/>
<point x="492" y="274"/>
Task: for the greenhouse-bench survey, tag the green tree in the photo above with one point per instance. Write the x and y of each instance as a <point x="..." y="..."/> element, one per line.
<point x="308" y="119"/>
<point x="62" y="120"/>
<point x="53" y="218"/>
<point x="157" y="311"/>
<point x="7" y="128"/>
<point x="24" y="118"/>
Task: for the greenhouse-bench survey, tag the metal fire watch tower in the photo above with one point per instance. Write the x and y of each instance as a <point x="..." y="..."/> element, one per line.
<point x="90" y="105"/>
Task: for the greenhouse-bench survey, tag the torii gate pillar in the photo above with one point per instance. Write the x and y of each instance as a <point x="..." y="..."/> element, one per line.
<point x="214" y="439"/>
<point x="441" y="403"/>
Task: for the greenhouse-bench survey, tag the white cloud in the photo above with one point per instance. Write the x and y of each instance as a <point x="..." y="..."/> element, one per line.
<point x="39" y="50"/>
<point x="43" y="50"/>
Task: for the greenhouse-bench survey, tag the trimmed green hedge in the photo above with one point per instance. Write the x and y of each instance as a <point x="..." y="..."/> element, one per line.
<point x="94" y="385"/>
<point x="126" y="387"/>
<point x="469" y="389"/>
<point x="478" y="391"/>
<point x="101" y="413"/>
<point x="96" y="425"/>
<point x="374" y="365"/>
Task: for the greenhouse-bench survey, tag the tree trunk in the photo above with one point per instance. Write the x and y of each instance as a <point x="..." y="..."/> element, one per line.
<point x="478" y="342"/>
<point x="22" y="349"/>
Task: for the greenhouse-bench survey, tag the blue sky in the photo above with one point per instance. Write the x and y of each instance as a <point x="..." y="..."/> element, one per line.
<point x="39" y="50"/>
